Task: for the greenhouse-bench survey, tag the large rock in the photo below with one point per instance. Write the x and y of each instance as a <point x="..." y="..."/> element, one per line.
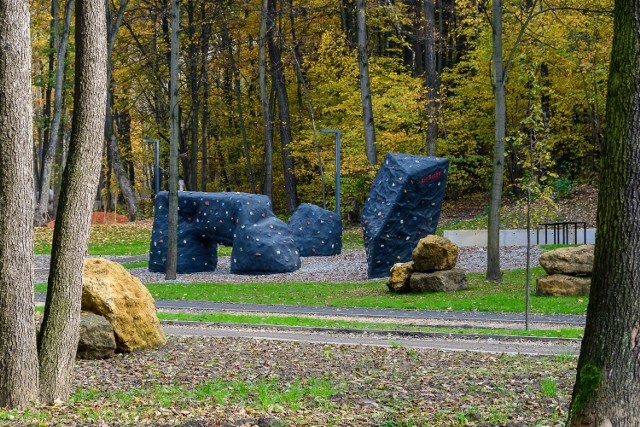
<point x="403" y="207"/>
<point x="316" y="231"/>
<point x="439" y="281"/>
<point x="261" y="242"/>
<point x="111" y="291"/>
<point x="435" y="253"/>
<point x="400" y="276"/>
<point x="575" y="260"/>
<point x="97" y="340"/>
<point x="563" y="285"/>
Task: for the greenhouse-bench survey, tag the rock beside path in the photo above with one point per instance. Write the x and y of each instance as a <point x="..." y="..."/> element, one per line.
<point x="111" y="291"/>
<point x="400" y="277"/>
<point x="563" y="285"/>
<point x="439" y="281"/>
<point x="435" y="253"/>
<point x="575" y="260"/>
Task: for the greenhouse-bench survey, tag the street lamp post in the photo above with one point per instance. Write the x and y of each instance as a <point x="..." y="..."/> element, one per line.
<point x="337" y="134"/>
<point x="157" y="165"/>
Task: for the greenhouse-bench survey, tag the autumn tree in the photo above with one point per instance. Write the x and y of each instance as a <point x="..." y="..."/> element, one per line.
<point x="18" y="359"/>
<point x="58" y="340"/>
<point x="607" y="388"/>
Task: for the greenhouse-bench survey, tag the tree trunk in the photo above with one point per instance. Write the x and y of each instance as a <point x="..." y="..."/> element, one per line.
<point x="109" y="135"/>
<point x="607" y="388"/>
<point x="53" y="43"/>
<point x="118" y="164"/>
<point x="206" y="31"/>
<point x="172" y="250"/>
<point x="41" y="216"/>
<point x="18" y="359"/>
<point x="493" y="244"/>
<point x="226" y="40"/>
<point x="278" y="81"/>
<point x="59" y="334"/>
<point x="264" y="99"/>
<point x="365" y="85"/>
<point x="431" y="76"/>
<point x="192" y="70"/>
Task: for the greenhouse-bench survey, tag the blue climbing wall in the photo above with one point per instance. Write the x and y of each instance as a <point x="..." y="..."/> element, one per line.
<point x="403" y="206"/>
<point x="316" y="231"/>
<point x="261" y="242"/>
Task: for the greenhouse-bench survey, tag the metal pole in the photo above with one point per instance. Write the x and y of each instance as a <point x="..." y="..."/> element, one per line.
<point x="157" y="165"/>
<point x="337" y="185"/>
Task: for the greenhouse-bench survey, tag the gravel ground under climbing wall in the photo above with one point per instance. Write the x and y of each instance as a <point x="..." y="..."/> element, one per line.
<point x="349" y="266"/>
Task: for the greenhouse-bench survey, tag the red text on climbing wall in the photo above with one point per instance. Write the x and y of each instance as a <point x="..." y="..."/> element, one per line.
<point x="431" y="177"/>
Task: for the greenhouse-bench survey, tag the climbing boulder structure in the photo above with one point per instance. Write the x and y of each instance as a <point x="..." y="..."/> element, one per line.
<point x="403" y="206"/>
<point x="316" y="231"/>
<point x="261" y="243"/>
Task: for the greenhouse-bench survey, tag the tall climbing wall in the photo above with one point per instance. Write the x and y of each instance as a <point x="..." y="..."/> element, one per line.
<point x="261" y="242"/>
<point x="403" y="206"/>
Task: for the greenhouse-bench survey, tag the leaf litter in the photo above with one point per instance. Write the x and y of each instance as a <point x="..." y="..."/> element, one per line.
<point x="202" y="381"/>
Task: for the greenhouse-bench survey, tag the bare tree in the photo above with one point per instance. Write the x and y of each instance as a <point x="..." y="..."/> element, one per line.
<point x="18" y="359"/>
<point x="58" y="340"/>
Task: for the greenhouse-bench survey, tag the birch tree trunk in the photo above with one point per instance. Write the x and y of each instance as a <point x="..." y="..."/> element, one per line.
<point x="58" y="340"/>
<point x="18" y="358"/>
<point x="607" y="388"/>
<point x="493" y="245"/>
<point x="365" y="84"/>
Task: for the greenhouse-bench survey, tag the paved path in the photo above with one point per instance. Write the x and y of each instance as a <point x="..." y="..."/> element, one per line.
<point x="445" y="343"/>
<point x="470" y="316"/>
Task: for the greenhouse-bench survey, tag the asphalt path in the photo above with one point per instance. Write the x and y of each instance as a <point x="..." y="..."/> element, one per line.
<point x="481" y="344"/>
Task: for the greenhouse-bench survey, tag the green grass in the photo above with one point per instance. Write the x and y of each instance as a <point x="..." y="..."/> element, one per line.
<point x="120" y="239"/>
<point x="143" y="263"/>
<point x="265" y="395"/>
<point x="255" y="319"/>
<point x="507" y="296"/>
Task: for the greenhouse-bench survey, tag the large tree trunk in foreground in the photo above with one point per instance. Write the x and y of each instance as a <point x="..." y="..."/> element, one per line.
<point x="607" y="389"/>
<point x="58" y="339"/>
<point x="493" y="244"/>
<point x="18" y="360"/>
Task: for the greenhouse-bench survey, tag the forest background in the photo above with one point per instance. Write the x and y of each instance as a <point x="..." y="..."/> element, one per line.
<point x="557" y="53"/>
